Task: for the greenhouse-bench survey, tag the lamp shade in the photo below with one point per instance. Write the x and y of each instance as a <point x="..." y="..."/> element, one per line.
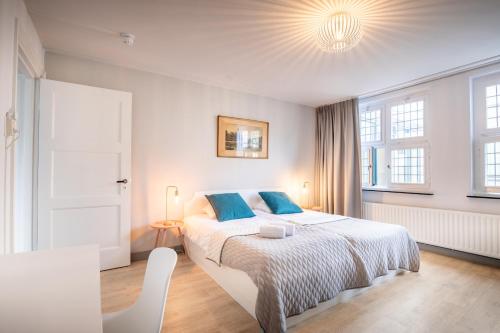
<point x="339" y="32"/>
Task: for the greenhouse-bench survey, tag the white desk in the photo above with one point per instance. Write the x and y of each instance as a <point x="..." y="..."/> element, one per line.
<point x="51" y="291"/>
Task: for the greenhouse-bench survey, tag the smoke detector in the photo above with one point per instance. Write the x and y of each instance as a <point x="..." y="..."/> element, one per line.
<point x="127" y="38"/>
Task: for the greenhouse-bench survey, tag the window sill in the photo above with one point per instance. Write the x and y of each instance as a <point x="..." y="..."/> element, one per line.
<point x="482" y="195"/>
<point x="387" y="190"/>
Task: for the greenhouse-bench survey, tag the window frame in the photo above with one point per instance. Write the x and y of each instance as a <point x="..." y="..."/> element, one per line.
<point x="370" y="108"/>
<point x="410" y="145"/>
<point x="480" y="133"/>
<point x="370" y="166"/>
<point x="372" y="144"/>
<point x="390" y="144"/>
<point x="407" y="100"/>
<point x="482" y="171"/>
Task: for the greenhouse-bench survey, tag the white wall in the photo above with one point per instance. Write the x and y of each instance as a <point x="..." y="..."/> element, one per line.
<point x="174" y="137"/>
<point x="27" y="39"/>
<point x="450" y="165"/>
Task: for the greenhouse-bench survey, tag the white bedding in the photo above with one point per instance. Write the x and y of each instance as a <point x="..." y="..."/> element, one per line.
<point x="366" y="236"/>
<point x="350" y="228"/>
<point x="308" y="217"/>
<point x="199" y="228"/>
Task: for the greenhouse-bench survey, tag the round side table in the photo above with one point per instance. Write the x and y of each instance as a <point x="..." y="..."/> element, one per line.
<point x="163" y="226"/>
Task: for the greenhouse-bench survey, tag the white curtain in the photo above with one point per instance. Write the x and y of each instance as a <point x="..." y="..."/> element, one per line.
<point x="337" y="163"/>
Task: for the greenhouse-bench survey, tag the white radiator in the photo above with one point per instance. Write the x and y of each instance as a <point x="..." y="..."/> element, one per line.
<point x="463" y="231"/>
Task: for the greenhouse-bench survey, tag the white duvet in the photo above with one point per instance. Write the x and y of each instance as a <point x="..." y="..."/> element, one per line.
<point x="308" y="217"/>
<point x="200" y="228"/>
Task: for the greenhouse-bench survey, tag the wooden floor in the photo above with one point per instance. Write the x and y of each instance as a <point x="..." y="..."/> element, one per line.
<point x="447" y="295"/>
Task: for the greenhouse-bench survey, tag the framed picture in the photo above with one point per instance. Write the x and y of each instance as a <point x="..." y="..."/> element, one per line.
<point x="242" y="138"/>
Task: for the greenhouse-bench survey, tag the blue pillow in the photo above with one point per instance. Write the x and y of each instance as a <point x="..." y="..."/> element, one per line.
<point x="280" y="203"/>
<point x="229" y="206"/>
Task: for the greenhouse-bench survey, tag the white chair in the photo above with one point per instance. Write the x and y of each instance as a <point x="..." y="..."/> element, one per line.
<point x="146" y="315"/>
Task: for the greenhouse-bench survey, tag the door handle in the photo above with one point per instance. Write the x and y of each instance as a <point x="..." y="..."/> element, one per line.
<point x="123" y="181"/>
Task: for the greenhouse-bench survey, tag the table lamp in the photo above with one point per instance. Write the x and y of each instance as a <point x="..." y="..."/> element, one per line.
<point x="176" y="199"/>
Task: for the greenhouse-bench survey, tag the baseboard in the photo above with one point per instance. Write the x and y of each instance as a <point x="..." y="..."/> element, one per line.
<point x="137" y="256"/>
<point x="475" y="258"/>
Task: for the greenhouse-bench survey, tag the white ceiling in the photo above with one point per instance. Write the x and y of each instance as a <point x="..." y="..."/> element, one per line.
<point x="266" y="46"/>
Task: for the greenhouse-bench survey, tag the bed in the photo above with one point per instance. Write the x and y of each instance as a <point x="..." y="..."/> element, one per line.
<point x="350" y="252"/>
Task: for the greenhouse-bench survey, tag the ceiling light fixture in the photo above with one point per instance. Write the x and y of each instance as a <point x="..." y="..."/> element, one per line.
<point x="339" y="32"/>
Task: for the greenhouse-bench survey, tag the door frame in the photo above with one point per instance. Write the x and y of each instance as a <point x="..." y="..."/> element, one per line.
<point x="28" y="64"/>
<point x="22" y="230"/>
<point x="19" y="55"/>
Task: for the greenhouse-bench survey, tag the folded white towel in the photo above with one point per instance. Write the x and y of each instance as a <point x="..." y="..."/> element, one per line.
<point x="272" y="231"/>
<point x="289" y="227"/>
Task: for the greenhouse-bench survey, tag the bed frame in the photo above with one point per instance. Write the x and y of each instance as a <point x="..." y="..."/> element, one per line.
<point x="237" y="283"/>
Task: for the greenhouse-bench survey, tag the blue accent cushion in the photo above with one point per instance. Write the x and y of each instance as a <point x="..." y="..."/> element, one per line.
<point x="280" y="203"/>
<point x="229" y="206"/>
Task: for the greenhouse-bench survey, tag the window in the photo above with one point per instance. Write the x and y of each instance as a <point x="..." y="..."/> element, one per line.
<point x="493" y="106"/>
<point x="405" y="165"/>
<point x="492" y="162"/>
<point x="407" y="120"/>
<point x="370" y="127"/>
<point x="486" y="134"/>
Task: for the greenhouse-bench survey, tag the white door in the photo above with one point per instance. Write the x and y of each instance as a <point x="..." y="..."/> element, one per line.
<point x="84" y="162"/>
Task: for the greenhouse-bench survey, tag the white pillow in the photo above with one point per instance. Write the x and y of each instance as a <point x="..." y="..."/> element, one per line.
<point x="262" y="206"/>
<point x="209" y="210"/>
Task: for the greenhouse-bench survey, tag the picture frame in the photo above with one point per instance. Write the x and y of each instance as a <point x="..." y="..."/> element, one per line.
<point x="242" y="138"/>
